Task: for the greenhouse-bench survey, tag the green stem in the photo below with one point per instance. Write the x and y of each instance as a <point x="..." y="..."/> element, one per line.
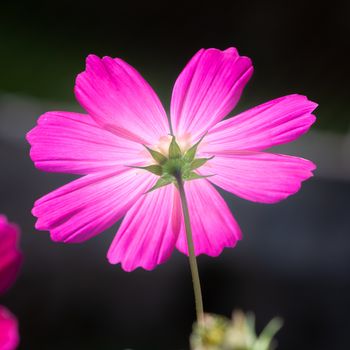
<point x="191" y="254"/>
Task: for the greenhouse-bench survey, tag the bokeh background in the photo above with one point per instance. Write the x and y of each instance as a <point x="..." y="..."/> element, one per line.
<point x="294" y="260"/>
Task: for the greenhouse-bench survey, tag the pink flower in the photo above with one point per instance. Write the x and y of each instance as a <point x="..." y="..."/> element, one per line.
<point x="9" y="337"/>
<point x="10" y="261"/>
<point x="10" y="256"/>
<point x="123" y="116"/>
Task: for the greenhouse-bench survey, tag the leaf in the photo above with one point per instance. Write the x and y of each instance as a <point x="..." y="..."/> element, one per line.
<point x="174" y="149"/>
<point x="162" y="181"/>
<point x="197" y="163"/>
<point x="157" y="156"/>
<point x="191" y="152"/>
<point x="266" y="337"/>
<point x="154" y="169"/>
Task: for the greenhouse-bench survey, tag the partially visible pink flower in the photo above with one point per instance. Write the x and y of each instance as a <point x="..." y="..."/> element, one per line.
<point x="10" y="261"/>
<point x="9" y="337"/>
<point x="10" y="256"/>
<point x="124" y="116"/>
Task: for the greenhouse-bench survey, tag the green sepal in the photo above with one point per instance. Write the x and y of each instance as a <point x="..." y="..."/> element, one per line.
<point x="174" y="149"/>
<point x="191" y="152"/>
<point x="157" y="156"/>
<point x="154" y="169"/>
<point x="162" y="181"/>
<point x="197" y="163"/>
<point x="193" y="176"/>
<point x="173" y="167"/>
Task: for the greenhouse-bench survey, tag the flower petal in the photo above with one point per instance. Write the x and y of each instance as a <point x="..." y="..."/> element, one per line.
<point x="74" y="143"/>
<point x="258" y="176"/>
<point x="120" y="100"/>
<point x="207" y="90"/>
<point x="10" y="256"/>
<point x="91" y="204"/>
<point x="147" y="235"/>
<point x="273" y="123"/>
<point x="213" y="226"/>
<point x="9" y="336"/>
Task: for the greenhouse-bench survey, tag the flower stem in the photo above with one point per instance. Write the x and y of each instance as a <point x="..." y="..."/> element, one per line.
<point x="191" y="254"/>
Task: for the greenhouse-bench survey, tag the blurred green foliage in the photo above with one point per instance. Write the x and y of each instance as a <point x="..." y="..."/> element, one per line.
<point x="219" y="333"/>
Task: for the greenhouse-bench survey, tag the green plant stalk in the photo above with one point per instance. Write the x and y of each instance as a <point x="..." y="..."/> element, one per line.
<point x="192" y="257"/>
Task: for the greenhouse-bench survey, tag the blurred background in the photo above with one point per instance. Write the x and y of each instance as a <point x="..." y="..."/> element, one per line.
<point x="294" y="260"/>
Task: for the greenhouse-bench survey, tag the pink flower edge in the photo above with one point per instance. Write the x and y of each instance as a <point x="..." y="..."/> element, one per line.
<point x="9" y="334"/>
<point x="10" y="255"/>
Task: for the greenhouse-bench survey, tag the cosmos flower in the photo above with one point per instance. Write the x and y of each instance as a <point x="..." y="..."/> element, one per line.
<point x="10" y="256"/>
<point x="10" y="261"/>
<point x="129" y="154"/>
<point x="9" y="338"/>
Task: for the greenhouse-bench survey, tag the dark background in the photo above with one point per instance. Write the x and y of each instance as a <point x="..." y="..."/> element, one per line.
<point x="294" y="260"/>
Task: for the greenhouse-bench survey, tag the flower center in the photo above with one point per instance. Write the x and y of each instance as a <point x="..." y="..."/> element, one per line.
<point x="163" y="145"/>
<point x="175" y="161"/>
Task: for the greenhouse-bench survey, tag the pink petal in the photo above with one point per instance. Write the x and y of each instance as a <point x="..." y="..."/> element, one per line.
<point x="120" y="100"/>
<point x="75" y="143"/>
<point x="10" y="256"/>
<point x="9" y="336"/>
<point x="148" y="233"/>
<point x="213" y="226"/>
<point x="91" y="204"/>
<point x="207" y="90"/>
<point x="275" y="122"/>
<point x="257" y="176"/>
